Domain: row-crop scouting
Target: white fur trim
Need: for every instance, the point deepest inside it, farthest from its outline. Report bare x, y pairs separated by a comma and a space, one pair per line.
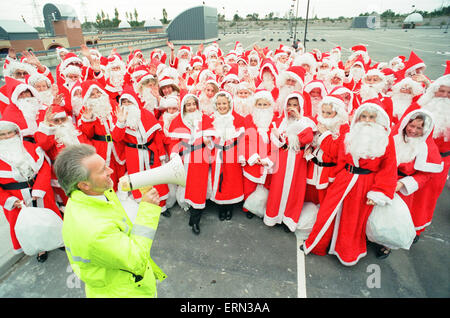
410, 187
9, 203
379, 198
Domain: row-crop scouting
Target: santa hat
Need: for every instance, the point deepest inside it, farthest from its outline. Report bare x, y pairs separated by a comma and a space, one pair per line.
71, 69
9, 126
263, 94
70, 58
295, 72
270, 65
416, 87
184, 49
75, 87
184, 100
58, 111
301, 102
144, 77
360, 50
139, 71
447, 68
231, 55
196, 61
232, 74
337, 72
129, 94
373, 105
114, 61
14, 65
244, 86
16, 87
317, 55
227, 95
338, 105
60, 49
360, 61
168, 81
169, 101
414, 62
337, 48
306, 58
375, 72
38, 77
340, 90
433, 88
316, 84
88, 86
279, 53
242, 58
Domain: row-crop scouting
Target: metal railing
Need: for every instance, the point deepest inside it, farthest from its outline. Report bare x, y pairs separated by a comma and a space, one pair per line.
147, 38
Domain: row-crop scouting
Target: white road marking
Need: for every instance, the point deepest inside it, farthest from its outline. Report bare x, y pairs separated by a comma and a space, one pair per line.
301, 276
400, 46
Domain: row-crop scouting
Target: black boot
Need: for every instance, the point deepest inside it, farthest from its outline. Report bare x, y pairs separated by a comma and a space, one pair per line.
196, 229
229, 214
194, 220
167, 213
222, 213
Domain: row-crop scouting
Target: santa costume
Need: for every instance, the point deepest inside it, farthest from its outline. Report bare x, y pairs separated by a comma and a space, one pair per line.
366, 169
325, 150
24, 175
288, 183
227, 157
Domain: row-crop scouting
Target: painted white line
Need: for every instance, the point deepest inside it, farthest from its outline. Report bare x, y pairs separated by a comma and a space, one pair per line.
400, 46
301, 276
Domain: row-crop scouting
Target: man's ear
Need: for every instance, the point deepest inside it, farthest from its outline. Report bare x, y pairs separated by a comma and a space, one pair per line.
84, 185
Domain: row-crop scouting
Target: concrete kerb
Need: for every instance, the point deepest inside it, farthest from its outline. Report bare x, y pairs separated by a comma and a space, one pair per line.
7, 256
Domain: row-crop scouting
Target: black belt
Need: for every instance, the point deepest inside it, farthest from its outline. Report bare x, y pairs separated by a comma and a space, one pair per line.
227, 147
356, 170
285, 147
323, 164
190, 148
107, 138
445, 154
145, 147
18, 185
401, 174
29, 139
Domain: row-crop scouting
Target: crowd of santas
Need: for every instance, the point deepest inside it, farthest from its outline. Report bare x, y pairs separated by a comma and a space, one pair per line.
272, 129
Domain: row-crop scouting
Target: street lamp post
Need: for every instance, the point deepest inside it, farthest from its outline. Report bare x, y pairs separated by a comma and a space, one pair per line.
306, 25
295, 29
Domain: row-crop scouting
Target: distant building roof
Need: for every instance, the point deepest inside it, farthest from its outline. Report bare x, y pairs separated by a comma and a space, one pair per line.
153, 23
16, 26
414, 17
124, 24
62, 11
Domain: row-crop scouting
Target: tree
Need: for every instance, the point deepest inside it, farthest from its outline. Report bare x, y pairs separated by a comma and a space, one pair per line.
236, 18
164, 19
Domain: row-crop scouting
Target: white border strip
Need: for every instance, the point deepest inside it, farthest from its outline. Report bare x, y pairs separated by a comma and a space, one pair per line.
301, 275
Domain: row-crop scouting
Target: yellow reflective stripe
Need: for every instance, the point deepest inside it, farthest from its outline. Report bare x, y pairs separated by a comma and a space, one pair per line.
144, 231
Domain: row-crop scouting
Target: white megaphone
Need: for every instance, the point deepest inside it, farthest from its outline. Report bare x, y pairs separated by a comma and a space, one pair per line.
171, 173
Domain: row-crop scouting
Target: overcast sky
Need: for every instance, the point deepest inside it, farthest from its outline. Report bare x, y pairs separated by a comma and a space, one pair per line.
148, 9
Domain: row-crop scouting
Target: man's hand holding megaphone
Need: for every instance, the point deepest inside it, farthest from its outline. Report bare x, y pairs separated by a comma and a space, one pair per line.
149, 193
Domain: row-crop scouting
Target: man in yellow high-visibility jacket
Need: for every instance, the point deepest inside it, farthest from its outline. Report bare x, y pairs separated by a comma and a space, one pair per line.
107, 252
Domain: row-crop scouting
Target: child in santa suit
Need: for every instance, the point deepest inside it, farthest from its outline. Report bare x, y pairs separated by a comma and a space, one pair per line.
191, 132
332, 125
228, 156
142, 138
257, 171
55, 133
290, 136
25, 178
97, 123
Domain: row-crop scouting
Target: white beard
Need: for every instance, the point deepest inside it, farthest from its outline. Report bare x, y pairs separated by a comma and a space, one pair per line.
366, 140
371, 91
241, 72
116, 78
66, 134
262, 117
292, 134
133, 116
206, 104
223, 124
253, 71
281, 66
150, 101
323, 75
13, 152
30, 108
308, 77
243, 106
406, 151
182, 65
400, 102
356, 74
284, 91
167, 119
267, 82
101, 107
46, 97
231, 88
192, 119
315, 109
440, 108
77, 104
69, 83
212, 63
332, 124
